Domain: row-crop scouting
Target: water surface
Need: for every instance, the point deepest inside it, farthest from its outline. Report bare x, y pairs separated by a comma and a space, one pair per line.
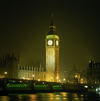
57, 96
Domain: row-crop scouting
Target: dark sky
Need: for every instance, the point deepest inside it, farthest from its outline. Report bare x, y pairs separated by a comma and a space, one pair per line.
24, 25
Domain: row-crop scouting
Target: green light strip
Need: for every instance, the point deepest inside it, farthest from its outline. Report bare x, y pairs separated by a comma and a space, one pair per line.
52, 36
57, 86
41, 86
17, 85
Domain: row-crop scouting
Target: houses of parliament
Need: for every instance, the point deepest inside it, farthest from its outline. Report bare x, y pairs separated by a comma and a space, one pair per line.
10, 64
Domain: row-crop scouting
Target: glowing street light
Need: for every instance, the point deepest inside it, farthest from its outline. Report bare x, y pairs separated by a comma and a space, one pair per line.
57, 78
64, 80
5, 73
38, 79
33, 77
51, 79
76, 76
23, 78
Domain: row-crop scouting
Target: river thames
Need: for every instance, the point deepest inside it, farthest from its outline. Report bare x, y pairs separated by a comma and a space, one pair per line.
57, 96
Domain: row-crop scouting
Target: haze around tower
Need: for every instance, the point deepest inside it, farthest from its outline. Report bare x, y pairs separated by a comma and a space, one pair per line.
24, 25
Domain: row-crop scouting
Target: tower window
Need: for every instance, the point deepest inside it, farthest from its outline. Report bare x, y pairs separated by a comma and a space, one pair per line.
20, 68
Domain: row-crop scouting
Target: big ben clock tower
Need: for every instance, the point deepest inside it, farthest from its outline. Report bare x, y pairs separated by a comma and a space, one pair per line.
52, 54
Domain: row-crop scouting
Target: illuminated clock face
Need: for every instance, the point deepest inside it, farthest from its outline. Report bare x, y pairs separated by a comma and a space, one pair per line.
50, 42
57, 42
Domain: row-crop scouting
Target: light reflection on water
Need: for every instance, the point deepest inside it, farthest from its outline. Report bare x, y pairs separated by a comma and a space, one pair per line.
65, 96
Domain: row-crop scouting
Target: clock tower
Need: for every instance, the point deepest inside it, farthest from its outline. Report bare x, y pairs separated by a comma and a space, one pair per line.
52, 54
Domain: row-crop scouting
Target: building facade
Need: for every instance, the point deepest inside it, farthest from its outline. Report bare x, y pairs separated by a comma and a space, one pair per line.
52, 54
28, 72
93, 73
11, 66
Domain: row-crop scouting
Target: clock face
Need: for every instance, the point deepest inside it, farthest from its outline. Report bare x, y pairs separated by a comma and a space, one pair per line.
57, 42
50, 42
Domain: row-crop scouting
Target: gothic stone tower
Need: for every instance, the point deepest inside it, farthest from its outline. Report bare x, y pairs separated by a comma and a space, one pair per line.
52, 54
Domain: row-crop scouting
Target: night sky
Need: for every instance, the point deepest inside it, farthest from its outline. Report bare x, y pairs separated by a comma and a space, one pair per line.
24, 25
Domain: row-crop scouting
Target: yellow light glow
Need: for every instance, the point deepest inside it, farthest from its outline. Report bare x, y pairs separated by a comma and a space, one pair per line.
76, 76
38, 79
51, 98
64, 95
57, 95
81, 95
64, 79
5, 72
1, 76
76, 98
28, 78
23, 77
51, 95
89, 61
57, 98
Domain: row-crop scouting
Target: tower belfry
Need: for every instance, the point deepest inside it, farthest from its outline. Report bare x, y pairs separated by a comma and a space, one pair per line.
52, 53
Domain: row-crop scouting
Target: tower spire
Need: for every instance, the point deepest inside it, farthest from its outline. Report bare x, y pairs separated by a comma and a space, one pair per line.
52, 28
52, 23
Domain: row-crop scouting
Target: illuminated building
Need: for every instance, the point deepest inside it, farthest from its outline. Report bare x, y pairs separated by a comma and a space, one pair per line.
11, 65
52, 53
26, 72
83, 76
77, 76
93, 73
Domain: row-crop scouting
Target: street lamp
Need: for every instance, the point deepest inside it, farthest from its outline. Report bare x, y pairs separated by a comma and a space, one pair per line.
5, 73
64, 80
33, 77
51, 79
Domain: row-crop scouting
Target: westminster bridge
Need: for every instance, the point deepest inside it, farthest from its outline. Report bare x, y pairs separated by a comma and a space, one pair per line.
33, 86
